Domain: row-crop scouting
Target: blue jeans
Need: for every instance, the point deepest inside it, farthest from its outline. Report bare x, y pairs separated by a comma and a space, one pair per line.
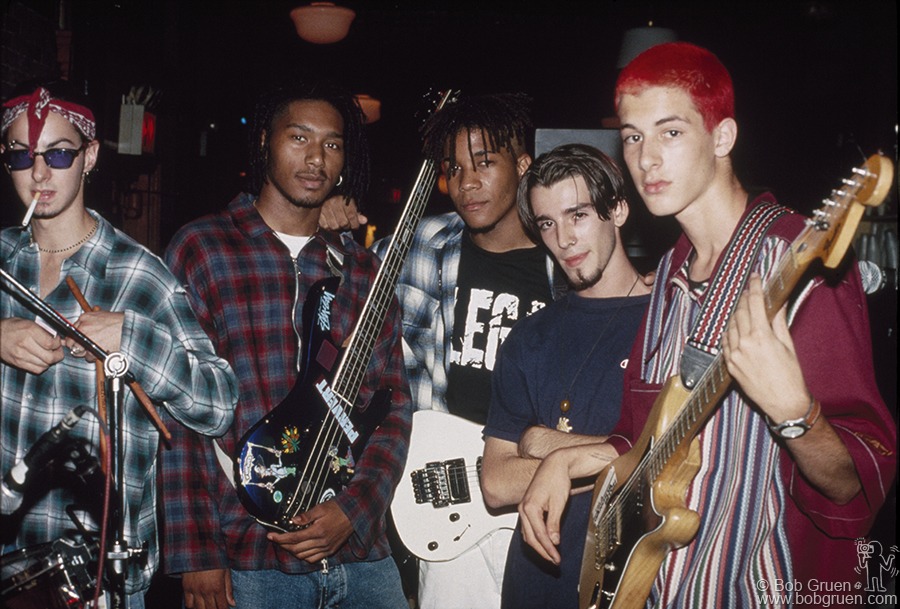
361, 585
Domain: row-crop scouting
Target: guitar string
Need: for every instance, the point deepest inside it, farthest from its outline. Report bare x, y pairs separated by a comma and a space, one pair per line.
356, 367
656, 457
314, 489
359, 365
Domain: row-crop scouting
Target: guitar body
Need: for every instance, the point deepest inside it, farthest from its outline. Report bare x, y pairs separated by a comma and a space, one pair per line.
618, 570
304, 450
438, 508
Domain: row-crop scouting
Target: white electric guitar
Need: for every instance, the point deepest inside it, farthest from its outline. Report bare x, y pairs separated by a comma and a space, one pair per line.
438, 508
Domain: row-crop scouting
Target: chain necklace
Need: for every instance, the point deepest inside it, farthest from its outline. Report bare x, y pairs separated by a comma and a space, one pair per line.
74, 245
565, 405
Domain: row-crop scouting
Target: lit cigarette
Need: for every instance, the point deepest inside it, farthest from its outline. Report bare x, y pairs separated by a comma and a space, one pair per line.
31, 207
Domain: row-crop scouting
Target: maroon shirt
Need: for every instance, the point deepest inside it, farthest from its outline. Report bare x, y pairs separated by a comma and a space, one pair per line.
246, 291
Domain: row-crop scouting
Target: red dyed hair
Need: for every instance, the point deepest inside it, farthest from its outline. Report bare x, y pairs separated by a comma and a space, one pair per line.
684, 66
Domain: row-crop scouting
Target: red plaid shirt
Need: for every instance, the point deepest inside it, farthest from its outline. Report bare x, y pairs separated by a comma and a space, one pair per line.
248, 294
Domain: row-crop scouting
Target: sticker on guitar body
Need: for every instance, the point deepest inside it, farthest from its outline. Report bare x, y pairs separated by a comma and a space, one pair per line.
334, 406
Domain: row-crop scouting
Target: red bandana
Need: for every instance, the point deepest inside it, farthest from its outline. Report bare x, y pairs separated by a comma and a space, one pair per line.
37, 105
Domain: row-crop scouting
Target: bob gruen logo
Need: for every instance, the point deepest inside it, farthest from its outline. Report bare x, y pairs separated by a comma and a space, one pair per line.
323, 314
874, 565
334, 406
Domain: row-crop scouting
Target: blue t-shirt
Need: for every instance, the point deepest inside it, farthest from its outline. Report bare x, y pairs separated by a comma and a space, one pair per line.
575, 349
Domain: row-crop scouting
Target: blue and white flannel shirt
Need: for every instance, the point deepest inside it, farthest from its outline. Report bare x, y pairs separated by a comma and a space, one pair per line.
168, 353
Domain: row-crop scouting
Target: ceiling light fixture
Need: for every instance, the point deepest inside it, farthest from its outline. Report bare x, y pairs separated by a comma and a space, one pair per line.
322, 22
371, 107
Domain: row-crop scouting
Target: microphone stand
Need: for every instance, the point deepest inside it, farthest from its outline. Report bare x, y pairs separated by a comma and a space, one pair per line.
117, 553
115, 366
65, 327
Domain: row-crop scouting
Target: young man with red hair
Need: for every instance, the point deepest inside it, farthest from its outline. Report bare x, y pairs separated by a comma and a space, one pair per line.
799, 455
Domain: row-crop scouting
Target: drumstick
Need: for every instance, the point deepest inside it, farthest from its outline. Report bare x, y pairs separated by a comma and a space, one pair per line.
139, 393
101, 375
31, 207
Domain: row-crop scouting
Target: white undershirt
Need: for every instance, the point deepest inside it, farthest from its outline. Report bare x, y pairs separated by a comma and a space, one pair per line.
293, 242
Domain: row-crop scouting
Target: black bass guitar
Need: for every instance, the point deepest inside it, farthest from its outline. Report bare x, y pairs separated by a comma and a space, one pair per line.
304, 451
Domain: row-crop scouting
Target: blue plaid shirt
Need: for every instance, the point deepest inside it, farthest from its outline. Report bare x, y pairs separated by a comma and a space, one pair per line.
168, 354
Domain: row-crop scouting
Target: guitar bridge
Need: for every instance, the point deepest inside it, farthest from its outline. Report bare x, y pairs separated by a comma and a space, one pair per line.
441, 483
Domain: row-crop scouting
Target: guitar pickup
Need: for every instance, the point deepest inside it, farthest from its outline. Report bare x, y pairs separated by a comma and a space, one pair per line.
441, 483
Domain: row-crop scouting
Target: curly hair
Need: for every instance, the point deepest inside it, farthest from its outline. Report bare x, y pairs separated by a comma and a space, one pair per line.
504, 120
602, 176
272, 103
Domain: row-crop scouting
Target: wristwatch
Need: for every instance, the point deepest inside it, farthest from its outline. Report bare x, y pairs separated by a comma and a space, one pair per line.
795, 428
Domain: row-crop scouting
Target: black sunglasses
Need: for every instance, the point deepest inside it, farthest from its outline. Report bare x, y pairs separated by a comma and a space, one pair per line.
17, 159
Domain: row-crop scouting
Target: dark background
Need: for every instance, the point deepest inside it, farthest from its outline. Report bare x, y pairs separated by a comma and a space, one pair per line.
815, 81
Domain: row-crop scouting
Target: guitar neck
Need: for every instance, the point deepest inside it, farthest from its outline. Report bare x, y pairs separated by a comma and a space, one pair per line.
826, 236
351, 371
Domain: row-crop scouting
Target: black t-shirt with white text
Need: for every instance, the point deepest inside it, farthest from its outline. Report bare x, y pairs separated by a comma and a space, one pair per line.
494, 291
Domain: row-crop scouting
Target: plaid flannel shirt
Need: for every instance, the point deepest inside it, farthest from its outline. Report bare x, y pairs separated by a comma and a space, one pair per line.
248, 293
167, 352
426, 290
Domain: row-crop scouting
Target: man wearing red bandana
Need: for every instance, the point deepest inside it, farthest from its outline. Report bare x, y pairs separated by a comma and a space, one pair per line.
139, 310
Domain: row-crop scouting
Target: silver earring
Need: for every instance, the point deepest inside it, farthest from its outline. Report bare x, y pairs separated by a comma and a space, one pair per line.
340, 180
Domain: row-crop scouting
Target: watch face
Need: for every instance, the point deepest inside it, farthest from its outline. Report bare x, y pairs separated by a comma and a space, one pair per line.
794, 431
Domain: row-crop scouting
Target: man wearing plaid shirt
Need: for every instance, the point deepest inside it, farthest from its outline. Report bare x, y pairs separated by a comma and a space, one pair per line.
469, 276
248, 270
48, 146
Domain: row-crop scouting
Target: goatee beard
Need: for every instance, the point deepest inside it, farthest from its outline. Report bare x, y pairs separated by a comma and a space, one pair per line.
583, 283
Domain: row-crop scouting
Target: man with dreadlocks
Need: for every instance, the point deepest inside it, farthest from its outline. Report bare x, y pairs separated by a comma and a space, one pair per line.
470, 275
247, 270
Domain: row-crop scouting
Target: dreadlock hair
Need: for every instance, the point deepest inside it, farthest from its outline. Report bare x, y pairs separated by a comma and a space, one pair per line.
603, 178
272, 103
504, 120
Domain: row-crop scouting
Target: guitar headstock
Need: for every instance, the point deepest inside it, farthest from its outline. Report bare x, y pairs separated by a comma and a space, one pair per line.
435, 101
840, 213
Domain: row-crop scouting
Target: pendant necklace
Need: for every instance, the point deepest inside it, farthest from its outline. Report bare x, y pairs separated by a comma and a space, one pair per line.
565, 405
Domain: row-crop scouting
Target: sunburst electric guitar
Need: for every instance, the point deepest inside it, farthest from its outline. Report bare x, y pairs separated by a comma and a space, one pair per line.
303, 451
638, 513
